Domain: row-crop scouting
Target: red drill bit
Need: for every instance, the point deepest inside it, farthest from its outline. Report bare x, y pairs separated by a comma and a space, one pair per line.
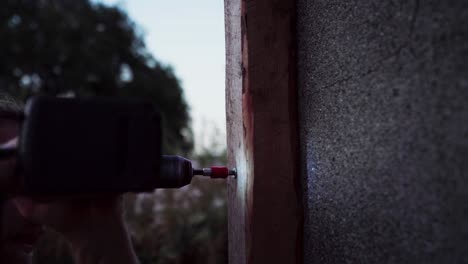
215, 172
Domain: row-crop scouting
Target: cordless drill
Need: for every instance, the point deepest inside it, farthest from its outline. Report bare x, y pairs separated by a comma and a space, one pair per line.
94, 146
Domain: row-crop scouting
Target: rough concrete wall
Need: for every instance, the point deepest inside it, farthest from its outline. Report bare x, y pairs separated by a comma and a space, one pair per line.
383, 89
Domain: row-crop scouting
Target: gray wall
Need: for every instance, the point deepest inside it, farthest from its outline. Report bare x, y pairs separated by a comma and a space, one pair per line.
383, 89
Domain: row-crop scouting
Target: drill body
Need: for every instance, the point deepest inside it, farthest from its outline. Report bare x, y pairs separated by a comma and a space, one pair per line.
95, 146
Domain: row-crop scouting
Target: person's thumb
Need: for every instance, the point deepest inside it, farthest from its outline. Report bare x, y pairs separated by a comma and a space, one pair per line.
25, 206
13, 143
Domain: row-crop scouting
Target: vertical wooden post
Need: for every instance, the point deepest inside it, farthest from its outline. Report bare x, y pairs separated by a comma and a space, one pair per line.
265, 213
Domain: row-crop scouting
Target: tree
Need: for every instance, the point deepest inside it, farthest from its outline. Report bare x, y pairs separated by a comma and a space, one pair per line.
76, 47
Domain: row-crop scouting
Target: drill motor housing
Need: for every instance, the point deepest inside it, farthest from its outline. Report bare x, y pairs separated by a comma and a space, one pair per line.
91, 146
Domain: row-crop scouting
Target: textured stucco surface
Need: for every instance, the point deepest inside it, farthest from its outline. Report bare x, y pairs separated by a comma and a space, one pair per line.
383, 97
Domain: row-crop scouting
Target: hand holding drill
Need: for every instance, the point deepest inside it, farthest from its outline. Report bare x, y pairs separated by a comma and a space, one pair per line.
69, 162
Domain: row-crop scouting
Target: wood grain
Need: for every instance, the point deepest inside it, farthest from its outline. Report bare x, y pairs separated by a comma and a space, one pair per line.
236, 158
265, 212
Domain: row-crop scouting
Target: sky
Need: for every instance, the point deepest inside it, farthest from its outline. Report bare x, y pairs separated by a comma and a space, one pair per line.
189, 36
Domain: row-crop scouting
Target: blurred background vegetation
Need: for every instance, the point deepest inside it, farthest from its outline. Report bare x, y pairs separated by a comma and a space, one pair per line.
77, 48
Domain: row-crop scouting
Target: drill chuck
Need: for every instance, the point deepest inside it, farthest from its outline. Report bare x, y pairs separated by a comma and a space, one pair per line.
177, 172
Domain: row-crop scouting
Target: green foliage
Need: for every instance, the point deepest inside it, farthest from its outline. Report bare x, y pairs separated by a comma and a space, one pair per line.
184, 226
187, 225
58, 47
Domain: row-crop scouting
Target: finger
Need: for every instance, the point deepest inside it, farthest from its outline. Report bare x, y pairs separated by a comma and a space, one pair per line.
36, 212
13, 143
25, 206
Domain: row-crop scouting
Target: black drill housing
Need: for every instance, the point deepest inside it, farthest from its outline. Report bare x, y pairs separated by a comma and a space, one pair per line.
89, 146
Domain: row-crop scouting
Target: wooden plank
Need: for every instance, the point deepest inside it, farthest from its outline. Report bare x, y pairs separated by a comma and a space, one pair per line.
265, 212
236, 189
